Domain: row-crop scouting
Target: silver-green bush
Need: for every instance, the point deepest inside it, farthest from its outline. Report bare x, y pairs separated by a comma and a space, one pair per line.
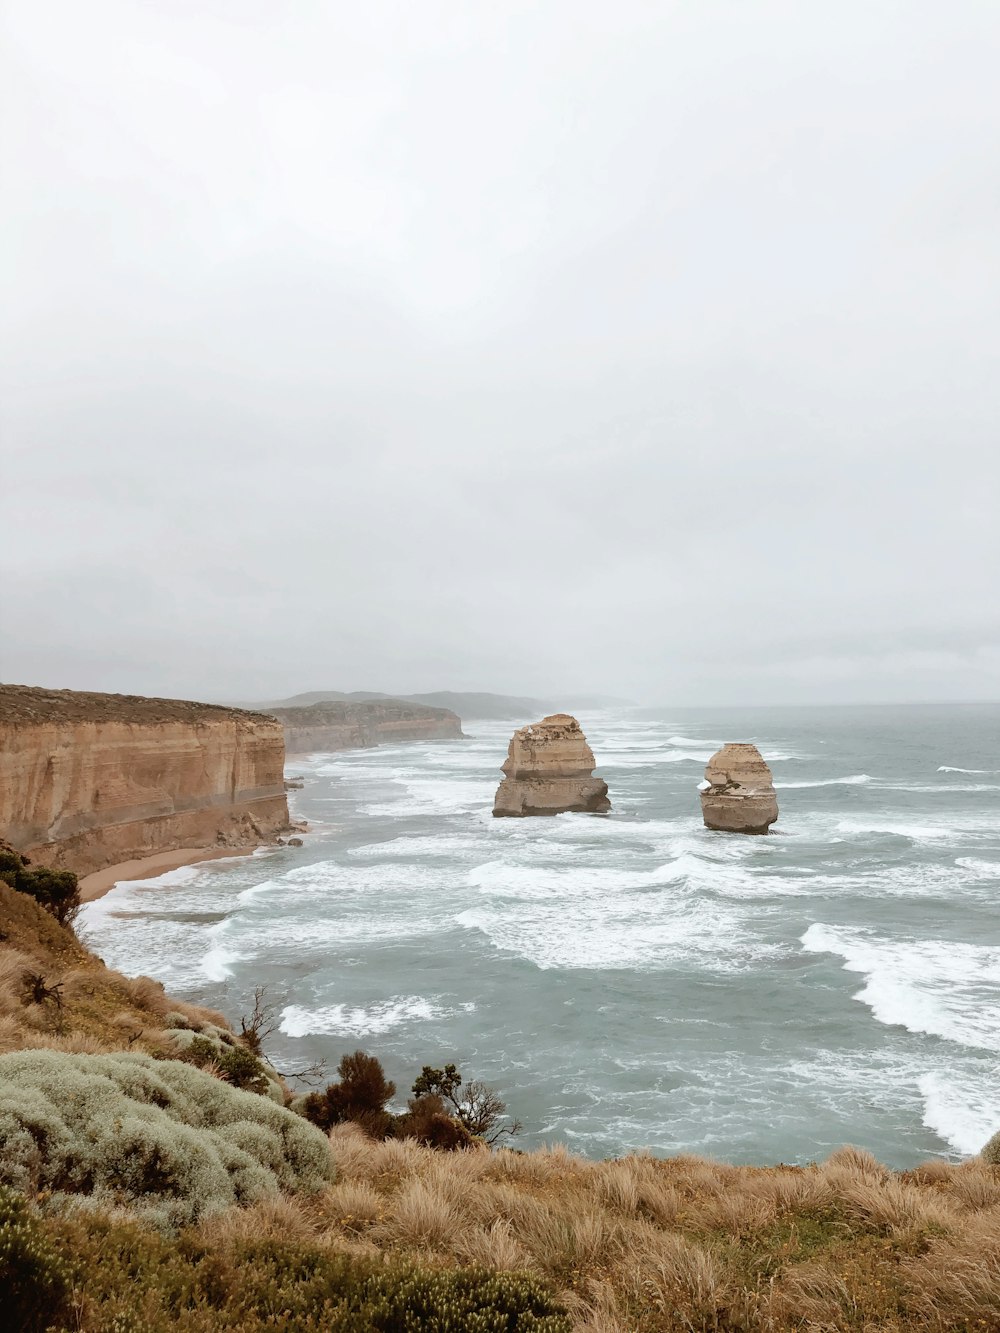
157, 1136
991, 1150
222, 1045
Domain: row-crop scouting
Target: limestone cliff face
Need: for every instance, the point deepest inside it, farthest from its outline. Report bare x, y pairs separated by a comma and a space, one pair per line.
88, 780
337, 725
740, 797
549, 770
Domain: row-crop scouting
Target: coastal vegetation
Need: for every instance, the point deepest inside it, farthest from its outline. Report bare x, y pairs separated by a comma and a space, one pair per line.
157, 1174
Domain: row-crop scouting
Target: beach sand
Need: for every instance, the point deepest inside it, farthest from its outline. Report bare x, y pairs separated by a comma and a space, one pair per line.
96, 885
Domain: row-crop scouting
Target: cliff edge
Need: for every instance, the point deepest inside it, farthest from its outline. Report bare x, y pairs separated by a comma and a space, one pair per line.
89, 780
346, 725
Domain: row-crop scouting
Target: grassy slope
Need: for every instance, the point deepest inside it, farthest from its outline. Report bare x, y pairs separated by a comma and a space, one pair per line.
634, 1244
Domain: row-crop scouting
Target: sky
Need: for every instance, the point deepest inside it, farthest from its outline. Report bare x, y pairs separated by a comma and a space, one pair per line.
649, 349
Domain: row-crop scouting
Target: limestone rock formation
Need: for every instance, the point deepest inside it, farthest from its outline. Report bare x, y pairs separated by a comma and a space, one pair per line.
549, 770
89, 780
358, 725
740, 797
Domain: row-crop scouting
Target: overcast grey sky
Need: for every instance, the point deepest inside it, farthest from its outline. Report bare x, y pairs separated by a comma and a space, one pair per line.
649, 348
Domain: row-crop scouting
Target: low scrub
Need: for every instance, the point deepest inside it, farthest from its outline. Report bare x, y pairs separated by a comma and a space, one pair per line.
160, 1137
111, 1274
34, 1280
220, 1052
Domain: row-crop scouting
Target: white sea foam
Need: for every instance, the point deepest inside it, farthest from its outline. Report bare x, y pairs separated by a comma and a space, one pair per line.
360, 1021
961, 1110
218, 963
979, 868
855, 780
596, 929
900, 829
943, 988
979, 772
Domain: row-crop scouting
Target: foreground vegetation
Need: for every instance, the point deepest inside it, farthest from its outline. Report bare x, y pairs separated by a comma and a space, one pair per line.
156, 1176
631, 1246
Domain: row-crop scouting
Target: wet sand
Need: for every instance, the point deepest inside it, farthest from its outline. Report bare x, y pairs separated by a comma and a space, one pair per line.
96, 885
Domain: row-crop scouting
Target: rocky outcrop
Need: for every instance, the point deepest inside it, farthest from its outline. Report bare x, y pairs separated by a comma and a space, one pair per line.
740, 796
89, 780
549, 770
343, 725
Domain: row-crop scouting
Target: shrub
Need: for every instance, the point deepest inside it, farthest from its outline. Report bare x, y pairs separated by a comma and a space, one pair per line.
157, 1136
479, 1109
429, 1122
360, 1096
56, 890
33, 1279
227, 1058
133, 1280
991, 1151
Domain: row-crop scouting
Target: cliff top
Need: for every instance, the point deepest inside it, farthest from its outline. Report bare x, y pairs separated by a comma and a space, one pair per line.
342, 710
29, 703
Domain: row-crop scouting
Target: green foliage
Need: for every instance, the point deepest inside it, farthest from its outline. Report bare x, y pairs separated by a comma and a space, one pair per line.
429, 1121
56, 890
135, 1279
479, 1110
33, 1278
158, 1136
440, 1082
235, 1064
361, 1095
229, 1058
991, 1151
437, 1115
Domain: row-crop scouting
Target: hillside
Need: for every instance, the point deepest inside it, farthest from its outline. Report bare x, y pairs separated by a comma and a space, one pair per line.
466, 705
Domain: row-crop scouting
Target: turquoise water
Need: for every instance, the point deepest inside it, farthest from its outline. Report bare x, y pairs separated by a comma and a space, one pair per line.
634, 981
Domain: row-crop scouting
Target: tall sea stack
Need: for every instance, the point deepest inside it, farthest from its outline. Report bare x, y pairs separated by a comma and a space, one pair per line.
740, 797
549, 770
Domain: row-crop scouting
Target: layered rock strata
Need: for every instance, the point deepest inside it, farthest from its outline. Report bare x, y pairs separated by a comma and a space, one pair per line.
343, 725
549, 770
91, 780
740, 796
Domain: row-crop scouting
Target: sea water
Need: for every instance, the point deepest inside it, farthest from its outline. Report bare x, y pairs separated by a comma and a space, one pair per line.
633, 981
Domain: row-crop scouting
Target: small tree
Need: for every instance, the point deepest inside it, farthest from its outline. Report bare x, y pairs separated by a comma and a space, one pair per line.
362, 1095
480, 1110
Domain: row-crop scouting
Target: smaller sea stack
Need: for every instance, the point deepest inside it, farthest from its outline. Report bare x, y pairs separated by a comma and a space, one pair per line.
740, 797
549, 771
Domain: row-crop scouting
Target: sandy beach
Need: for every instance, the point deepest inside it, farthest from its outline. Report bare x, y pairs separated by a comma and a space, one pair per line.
96, 885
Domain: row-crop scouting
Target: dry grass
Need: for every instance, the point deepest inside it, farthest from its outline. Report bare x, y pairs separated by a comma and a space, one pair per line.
100, 1010
14, 968
642, 1245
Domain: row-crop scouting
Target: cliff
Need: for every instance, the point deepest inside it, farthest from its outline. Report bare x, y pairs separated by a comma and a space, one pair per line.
89, 780
548, 771
343, 725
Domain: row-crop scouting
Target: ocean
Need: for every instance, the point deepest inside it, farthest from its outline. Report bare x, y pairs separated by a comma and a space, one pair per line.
633, 981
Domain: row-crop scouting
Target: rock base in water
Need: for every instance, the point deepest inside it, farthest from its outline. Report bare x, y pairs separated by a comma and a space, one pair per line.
549, 771
740, 797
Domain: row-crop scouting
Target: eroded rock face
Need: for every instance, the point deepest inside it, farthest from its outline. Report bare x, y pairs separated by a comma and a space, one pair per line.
354, 725
740, 797
549, 770
88, 780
